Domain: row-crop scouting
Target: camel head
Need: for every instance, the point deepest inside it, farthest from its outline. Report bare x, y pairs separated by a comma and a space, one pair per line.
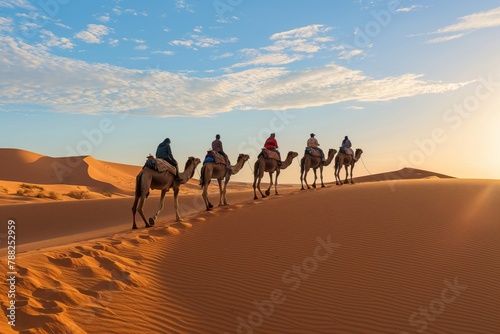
292, 154
358, 153
332, 151
245, 157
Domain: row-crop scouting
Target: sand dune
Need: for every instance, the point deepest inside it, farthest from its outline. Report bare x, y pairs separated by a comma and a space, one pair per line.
410, 256
60, 176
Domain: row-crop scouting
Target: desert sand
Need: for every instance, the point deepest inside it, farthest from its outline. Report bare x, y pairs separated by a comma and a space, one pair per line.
414, 252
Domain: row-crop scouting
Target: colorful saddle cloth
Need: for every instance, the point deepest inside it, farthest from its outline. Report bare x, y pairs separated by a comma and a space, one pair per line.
213, 156
268, 154
160, 165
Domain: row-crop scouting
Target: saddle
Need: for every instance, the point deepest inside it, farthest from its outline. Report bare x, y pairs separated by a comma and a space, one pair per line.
346, 150
213, 156
312, 151
159, 165
268, 154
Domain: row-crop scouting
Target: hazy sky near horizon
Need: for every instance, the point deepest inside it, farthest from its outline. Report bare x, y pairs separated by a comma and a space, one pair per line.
413, 83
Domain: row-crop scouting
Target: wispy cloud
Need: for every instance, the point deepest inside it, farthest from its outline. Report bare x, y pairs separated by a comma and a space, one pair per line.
409, 9
197, 40
94, 33
183, 5
31, 75
443, 39
165, 53
6, 24
25, 4
288, 46
50, 40
469, 23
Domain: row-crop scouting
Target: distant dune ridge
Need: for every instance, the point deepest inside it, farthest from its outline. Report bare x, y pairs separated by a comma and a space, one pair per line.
409, 256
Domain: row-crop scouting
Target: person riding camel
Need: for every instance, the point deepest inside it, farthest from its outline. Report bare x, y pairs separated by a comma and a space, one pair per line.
217, 147
313, 143
346, 147
165, 152
272, 145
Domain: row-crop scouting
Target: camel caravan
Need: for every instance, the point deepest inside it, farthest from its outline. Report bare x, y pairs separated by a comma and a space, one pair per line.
162, 171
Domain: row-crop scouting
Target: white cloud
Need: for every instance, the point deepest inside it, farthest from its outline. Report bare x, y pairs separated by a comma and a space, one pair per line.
272, 59
182, 5
409, 9
202, 41
166, 53
303, 32
103, 18
443, 39
51, 40
113, 42
475, 21
93, 34
348, 54
469, 23
25, 4
30, 75
6, 24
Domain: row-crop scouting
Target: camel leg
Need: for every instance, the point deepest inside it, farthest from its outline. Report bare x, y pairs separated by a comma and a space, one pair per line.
352, 167
134, 210
176, 204
219, 182
224, 192
255, 187
140, 207
258, 185
306, 170
346, 174
205, 196
268, 190
321, 176
276, 183
315, 178
160, 207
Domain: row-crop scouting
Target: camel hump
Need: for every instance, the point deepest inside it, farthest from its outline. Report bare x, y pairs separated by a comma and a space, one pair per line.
268, 154
313, 151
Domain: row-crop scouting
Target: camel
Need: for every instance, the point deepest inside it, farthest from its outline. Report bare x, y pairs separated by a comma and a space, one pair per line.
346, 160
211, 170
263, 165
309, 161
149, 178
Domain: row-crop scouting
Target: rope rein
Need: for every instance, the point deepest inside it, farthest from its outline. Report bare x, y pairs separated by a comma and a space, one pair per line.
249, 165
363, 162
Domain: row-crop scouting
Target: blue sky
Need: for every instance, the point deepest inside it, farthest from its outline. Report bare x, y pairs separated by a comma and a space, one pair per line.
413, 83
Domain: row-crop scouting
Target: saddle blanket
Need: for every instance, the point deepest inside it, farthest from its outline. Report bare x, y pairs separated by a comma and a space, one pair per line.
213, 156
346, 150
313, 152
160, 165
268, 154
